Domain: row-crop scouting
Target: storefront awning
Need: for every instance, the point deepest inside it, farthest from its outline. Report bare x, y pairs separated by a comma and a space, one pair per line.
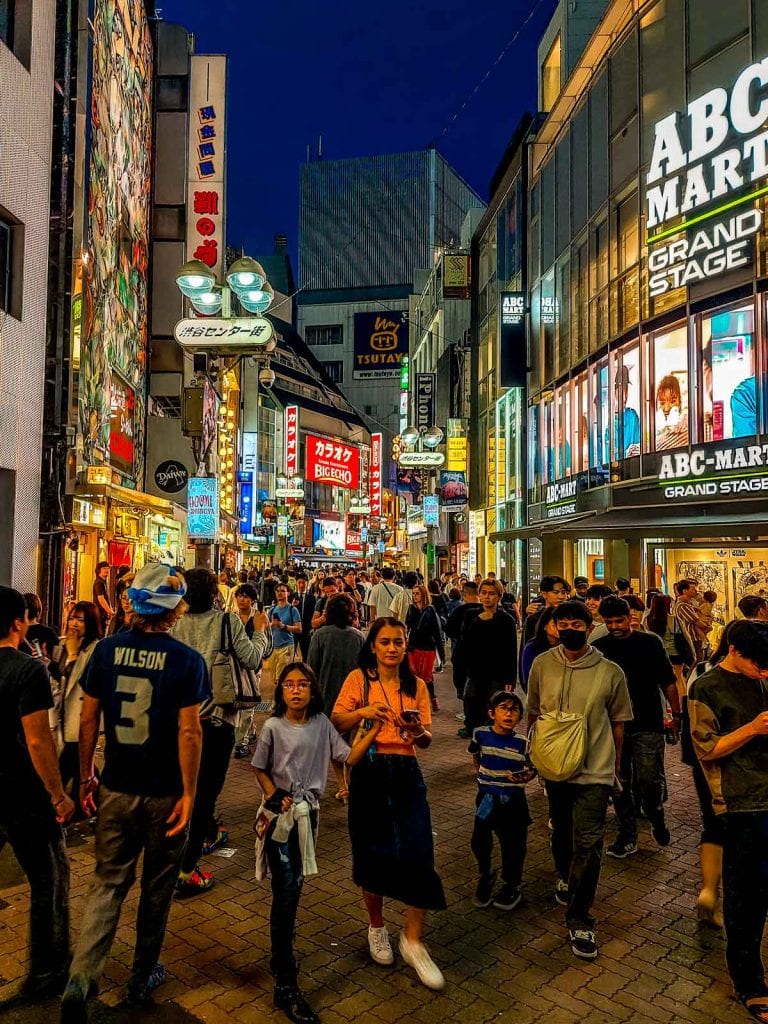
125, 496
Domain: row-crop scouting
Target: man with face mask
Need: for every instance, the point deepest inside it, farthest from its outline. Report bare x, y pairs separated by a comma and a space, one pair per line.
650, 677
576, 677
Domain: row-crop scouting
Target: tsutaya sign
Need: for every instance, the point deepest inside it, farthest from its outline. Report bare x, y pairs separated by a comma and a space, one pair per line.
719, 147
722, 471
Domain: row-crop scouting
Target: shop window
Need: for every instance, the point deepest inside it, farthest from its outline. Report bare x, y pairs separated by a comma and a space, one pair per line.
548, 313
563, 436
534, 448
547, 442
599, 434
712, 24
625, 294
670, 381
562, 314
625, 441
580, 302
729, 390
550, 75
598, 315
581, 432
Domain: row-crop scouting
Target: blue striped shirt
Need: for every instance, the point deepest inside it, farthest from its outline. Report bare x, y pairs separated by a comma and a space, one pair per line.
501, 758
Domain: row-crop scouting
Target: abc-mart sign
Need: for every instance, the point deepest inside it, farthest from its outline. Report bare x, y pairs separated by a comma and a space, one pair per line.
713, 157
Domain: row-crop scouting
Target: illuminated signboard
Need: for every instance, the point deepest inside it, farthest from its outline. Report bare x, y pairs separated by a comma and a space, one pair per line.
122, 405
332, 462
203, 507
513, 354
456, 276
374, 479
431, 508
426, 385
380, 345
206, 161
291, 440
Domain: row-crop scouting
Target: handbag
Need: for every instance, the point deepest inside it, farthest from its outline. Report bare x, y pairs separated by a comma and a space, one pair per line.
231, 684
557, 744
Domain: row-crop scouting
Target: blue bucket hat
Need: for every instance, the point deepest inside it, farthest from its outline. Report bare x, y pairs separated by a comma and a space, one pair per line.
157, 588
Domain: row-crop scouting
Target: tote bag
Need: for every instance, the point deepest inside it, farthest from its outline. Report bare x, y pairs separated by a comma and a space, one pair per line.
231, 684
557, 745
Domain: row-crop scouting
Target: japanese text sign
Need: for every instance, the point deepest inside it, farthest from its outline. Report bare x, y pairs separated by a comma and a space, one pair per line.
206, 161
291, 440
332, 462
203, 507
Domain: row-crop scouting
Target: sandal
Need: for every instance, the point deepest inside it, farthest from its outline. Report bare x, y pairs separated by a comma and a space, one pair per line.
756, 1007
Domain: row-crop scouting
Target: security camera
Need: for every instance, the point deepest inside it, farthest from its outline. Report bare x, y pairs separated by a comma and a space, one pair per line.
267, 377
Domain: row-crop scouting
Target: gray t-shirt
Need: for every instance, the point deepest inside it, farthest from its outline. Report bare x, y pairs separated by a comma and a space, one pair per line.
296, 757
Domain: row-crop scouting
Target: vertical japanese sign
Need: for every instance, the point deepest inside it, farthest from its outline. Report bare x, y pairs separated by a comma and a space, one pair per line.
207, 164
291, 440
374, 484
425, 399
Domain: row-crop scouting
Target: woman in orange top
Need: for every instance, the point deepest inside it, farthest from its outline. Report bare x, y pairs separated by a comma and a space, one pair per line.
389, 821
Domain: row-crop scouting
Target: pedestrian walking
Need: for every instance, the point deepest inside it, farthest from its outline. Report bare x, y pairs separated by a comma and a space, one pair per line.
554, 590
291, 760
245, 602
285, 622
304, 603
33, 804
84, 630
327, 589
546, 637
425, 640
148, 687
490, 640
470, 605
389, 820
382, 594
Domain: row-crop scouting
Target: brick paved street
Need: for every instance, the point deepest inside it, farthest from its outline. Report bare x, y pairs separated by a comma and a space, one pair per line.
655, 965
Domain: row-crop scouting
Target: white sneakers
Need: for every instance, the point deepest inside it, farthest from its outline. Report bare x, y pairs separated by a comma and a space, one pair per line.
415, 954
378, 943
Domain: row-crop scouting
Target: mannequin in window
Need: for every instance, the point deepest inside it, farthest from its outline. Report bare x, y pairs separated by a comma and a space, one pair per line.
671, 415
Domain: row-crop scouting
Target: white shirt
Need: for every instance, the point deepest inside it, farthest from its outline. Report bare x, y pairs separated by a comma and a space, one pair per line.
381, 597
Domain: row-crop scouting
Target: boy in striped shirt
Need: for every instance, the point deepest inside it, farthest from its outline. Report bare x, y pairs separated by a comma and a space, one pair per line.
503, 768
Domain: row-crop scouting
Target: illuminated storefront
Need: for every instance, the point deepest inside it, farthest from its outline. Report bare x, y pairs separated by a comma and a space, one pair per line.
646, 417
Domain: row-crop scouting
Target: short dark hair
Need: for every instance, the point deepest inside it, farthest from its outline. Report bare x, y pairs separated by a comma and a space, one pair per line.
548, 583
316, 703
621, 583
505, 697
34, 605
572, 610
614, 607
710, 595
454, 594
750, 639
387, 573
340, 611
469, 585
101, 565
598, 591
302, 576
247, 590
328, 580
751, 605
12, 607
410, 579
202, 590
683, 585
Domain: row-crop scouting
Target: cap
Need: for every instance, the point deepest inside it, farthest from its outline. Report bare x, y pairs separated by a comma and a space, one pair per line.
156, 588
580, 581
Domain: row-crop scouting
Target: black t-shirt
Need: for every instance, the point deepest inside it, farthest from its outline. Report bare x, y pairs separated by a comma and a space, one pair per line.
100, 590
43, 635
24, 689
142, 681
644, 662
490, 647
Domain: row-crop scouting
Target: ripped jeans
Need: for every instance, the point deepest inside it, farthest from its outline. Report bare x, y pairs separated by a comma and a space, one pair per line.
285, 870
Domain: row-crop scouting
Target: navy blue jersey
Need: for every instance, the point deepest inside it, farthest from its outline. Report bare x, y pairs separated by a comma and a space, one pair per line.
142, 680
504, 763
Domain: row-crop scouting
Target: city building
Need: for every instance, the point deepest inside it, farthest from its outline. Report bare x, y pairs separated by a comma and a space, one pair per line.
648, 271
27, 33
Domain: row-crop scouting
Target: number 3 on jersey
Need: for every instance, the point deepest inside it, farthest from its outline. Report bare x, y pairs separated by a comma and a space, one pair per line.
136, 694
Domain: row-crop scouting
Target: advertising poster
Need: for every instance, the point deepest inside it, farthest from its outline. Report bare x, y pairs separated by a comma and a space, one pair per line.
354, 541
332, 462
329, 536
513, 349
409, 484
431, 510
203, 507
456, 276
210, 418
122, 410
426, 385
380, 343
453, 488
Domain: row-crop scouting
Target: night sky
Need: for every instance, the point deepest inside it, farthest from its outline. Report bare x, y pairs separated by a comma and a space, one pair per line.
370, 78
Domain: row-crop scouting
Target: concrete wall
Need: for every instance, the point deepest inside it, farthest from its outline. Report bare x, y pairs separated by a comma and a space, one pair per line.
26, 105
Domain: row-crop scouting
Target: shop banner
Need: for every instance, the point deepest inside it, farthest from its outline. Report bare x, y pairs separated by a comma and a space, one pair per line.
453, 488
380, 344
203, 507
122, 405
426, 386
431, 510
332, 462
245, 482
292, 440
374, 480
206, 161
513, 347
456, 276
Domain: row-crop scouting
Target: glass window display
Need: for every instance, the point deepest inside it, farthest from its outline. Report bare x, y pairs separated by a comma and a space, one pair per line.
626, 403
670, 364
728, 374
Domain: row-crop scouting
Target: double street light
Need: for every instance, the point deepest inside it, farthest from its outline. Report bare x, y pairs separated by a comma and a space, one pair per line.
246, 278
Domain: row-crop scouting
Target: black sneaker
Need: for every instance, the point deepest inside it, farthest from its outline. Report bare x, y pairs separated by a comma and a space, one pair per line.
138, 993
661, 833
620, 850
242, 750
561, 892
583, 943
289, 999
484, 891
508, 897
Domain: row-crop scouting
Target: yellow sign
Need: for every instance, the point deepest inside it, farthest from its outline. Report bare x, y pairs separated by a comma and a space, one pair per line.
99, 475
456, 454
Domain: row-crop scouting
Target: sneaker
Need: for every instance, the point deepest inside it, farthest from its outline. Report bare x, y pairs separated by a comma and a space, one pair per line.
74, 1009
242, 750
380, 947
583, 943
661, 833
138, 993
484, 891
508, 897
620, 850
561, 892
462, 733
460, 717
210, 845
193, 884
416, 956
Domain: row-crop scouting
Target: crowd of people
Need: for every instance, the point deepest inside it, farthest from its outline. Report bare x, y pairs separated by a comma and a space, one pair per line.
584, 689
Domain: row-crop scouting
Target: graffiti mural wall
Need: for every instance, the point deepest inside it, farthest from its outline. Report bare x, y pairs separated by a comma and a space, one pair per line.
114, 344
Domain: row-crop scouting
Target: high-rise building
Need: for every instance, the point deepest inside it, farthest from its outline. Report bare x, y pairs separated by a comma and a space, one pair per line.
366, 225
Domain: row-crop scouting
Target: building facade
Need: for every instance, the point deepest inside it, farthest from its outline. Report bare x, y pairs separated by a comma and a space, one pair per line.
648, 265
27, 35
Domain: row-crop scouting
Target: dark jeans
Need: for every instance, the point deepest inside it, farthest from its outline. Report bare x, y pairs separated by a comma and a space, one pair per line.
508, 821
218, 743
37, 840
642, 772
578, 829
126, 825
745, 899
285, 869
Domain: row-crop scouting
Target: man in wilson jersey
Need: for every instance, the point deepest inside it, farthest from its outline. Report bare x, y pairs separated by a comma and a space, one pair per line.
148, 686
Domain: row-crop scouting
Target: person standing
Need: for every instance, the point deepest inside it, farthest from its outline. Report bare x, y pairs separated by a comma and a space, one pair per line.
576, 677
453, 628
402, 602
149, 688
82, 636
245, 600
490, 640
554, 590
285, 622
40, 634
687, 626
33, 804
327, 590
650, 680
592, 599
728, 709
383, 594
101, 594
304, 603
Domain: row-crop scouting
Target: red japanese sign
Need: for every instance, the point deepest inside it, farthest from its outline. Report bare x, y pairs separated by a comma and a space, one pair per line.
332, 462
374, 478
205, 188
291, 440
122, 407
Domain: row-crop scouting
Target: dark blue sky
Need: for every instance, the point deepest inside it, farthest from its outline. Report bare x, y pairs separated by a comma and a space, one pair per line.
370, 78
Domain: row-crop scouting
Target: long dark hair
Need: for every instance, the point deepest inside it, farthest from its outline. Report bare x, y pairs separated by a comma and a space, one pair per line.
93, 627
316, 704
540, 639
658, 614
367, 657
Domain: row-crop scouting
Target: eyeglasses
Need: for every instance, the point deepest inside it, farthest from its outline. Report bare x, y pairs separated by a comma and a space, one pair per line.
295, 686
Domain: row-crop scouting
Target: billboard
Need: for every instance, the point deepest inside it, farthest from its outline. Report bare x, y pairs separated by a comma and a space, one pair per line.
115, 296
456, 276
291, 440
453, 488
206, 161
426, 385
513, 350
203, 507
332, 462
380, 343
122, 414
329, 536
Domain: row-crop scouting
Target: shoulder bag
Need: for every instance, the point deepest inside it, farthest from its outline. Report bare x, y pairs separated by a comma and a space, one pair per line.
557, 744
231, 684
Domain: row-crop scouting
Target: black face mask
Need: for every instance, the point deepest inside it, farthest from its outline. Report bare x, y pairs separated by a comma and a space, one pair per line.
572, 639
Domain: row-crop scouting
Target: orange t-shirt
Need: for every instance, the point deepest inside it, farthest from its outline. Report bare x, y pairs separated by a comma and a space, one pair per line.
388, 740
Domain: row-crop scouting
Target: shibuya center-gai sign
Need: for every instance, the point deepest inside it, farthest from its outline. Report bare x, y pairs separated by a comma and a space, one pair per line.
707, 166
